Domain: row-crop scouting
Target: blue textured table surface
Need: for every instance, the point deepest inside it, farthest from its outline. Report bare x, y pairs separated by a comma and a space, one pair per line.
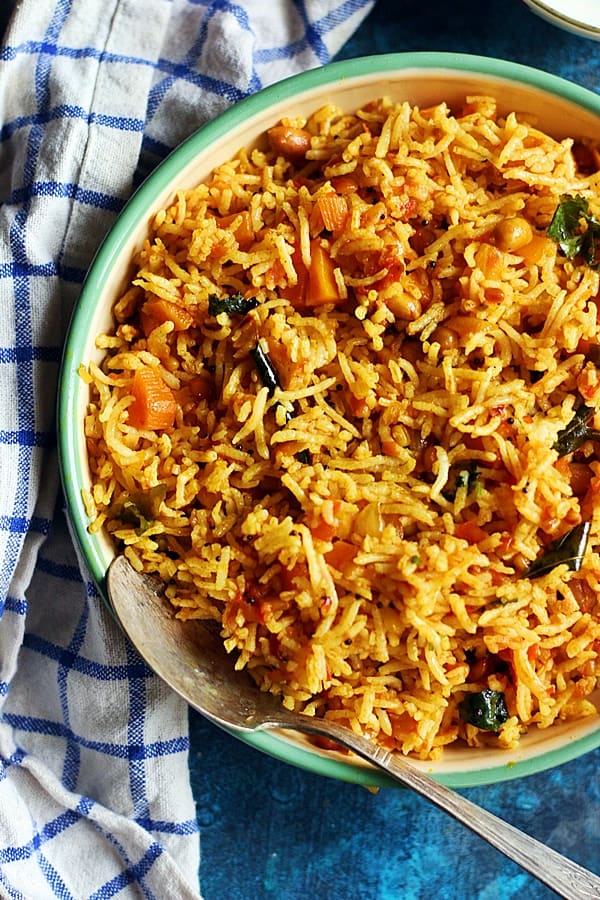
274, 832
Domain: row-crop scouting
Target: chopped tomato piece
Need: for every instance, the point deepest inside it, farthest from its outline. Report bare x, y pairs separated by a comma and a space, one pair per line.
344, 184
402, 724
506, 543
470, 532
407, 206
490, 261
254, 607
588, 382
391, 448
290, 372
289, 577
341, 554
200, 387
358, 405
275, 276
154, 405
534, 252
324, 531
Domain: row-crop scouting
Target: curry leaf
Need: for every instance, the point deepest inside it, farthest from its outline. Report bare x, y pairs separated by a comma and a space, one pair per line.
139, 508
233, 305
576, 230
576, 432
569, 550
265, 368
485, 709
269, 377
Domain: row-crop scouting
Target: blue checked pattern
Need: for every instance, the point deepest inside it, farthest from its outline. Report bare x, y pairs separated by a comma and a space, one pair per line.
95, 800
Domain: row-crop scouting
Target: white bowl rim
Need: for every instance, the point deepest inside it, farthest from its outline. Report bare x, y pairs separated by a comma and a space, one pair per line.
72, 465
577, 16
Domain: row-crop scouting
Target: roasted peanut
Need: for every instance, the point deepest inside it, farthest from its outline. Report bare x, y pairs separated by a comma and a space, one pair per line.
293, 143
403, 305
445, 337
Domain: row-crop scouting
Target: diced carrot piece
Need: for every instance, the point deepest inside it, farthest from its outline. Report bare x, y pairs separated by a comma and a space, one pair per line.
322, 286
317, 286
147, 322
159, 311
243, 231
327, 528
296, 293
334, 211
154, 405
324, 531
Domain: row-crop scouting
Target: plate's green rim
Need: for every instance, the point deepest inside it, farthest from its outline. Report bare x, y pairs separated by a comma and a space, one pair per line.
72, 466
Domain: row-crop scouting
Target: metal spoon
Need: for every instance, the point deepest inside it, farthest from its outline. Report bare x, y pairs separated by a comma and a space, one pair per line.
192, 661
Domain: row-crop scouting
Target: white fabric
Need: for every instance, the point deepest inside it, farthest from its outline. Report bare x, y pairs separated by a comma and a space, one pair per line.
95, 799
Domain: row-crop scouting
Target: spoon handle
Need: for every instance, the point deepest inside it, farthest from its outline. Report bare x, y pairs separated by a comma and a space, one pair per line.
192, 660
562, 875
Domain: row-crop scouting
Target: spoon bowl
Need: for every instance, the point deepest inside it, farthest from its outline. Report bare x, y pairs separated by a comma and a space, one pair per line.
189, 656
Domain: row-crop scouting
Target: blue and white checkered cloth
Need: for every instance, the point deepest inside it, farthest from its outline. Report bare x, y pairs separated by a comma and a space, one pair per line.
95, 799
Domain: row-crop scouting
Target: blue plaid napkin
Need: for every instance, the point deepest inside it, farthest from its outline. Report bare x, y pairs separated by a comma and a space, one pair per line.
95, 800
